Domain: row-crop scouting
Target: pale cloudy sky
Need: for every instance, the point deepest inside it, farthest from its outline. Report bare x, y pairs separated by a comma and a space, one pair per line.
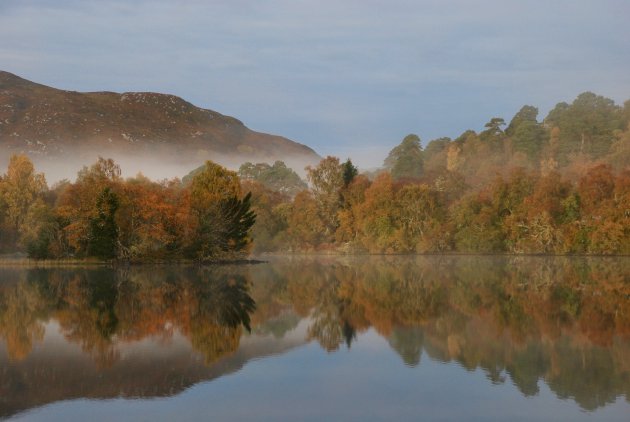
349, 78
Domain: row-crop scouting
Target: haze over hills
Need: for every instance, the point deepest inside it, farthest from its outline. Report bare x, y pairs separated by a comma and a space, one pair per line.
166, 133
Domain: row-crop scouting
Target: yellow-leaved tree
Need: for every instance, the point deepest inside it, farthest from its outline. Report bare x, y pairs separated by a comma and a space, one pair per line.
20, 188
221, 217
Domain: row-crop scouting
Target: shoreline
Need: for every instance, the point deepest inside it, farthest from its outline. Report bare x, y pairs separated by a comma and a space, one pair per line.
60, 263
259, 259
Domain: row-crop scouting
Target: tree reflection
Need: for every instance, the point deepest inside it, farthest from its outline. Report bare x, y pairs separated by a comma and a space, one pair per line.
408, 342
103, 307
21, 311
562, 321
86, 313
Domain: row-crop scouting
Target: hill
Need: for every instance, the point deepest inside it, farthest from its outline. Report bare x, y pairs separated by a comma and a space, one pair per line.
48, 123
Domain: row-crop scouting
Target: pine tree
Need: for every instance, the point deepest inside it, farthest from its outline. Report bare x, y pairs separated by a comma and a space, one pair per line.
103, 238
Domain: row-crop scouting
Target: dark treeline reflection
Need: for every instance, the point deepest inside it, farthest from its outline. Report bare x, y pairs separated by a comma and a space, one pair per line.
525, 320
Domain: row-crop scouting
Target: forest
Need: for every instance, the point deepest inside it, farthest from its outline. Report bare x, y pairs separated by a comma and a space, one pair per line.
102, 216
556, 186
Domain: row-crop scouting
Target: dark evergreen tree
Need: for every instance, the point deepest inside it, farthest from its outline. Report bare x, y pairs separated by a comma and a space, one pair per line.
586, 126
103, 238
239, 219
349, 172
493, 133
527, 113
225, 228
528, 136
405, 160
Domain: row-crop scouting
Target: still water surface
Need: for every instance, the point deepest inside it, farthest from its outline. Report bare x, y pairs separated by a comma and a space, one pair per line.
404, 338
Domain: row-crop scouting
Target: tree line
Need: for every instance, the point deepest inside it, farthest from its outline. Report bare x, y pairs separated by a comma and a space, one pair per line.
102, 215
558, 186
524, 212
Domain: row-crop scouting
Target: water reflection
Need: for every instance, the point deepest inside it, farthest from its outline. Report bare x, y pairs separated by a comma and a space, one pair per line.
100, 308
561, 321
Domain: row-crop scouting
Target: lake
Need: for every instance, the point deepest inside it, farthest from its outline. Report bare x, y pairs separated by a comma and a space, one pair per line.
319, 338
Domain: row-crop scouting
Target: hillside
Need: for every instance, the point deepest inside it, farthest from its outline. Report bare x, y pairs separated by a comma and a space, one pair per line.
47, 123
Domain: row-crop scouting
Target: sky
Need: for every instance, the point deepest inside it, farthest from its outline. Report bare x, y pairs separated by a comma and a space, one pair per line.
347, 78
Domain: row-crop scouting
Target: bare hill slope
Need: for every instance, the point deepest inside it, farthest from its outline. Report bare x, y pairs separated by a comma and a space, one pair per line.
52, 124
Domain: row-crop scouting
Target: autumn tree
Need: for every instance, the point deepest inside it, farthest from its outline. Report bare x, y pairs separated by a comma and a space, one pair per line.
375, 217
213, 184
154, 218
476, 224
223, 218
605, 211
40, 235
306, 226
349, 214
272, 210
535, 228
327, 180
596, 188
418, 216
451, 184
619, 154
77, 203
20, 188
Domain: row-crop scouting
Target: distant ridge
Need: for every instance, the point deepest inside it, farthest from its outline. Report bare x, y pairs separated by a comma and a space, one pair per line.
46, 122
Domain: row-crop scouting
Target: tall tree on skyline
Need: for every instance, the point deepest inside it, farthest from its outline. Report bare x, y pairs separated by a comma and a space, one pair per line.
405, 160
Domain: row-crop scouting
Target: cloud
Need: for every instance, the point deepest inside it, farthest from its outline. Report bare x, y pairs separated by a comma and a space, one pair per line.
329, 73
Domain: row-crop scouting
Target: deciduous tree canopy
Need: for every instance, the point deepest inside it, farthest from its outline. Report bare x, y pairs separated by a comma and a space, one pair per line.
560, 186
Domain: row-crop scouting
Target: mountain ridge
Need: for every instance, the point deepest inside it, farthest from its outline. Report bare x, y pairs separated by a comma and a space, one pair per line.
46, 122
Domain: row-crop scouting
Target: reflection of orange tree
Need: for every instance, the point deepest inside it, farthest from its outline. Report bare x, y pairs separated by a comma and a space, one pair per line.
87, 315
329, 326
22, 309
562, 320
320, 295
101, 308
273, 306
381, 296
222, 306
208, 306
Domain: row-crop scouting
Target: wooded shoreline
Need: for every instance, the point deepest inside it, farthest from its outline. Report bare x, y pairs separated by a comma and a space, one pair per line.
92, 262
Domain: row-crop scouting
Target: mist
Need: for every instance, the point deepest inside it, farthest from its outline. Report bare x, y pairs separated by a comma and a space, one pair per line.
155, 166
